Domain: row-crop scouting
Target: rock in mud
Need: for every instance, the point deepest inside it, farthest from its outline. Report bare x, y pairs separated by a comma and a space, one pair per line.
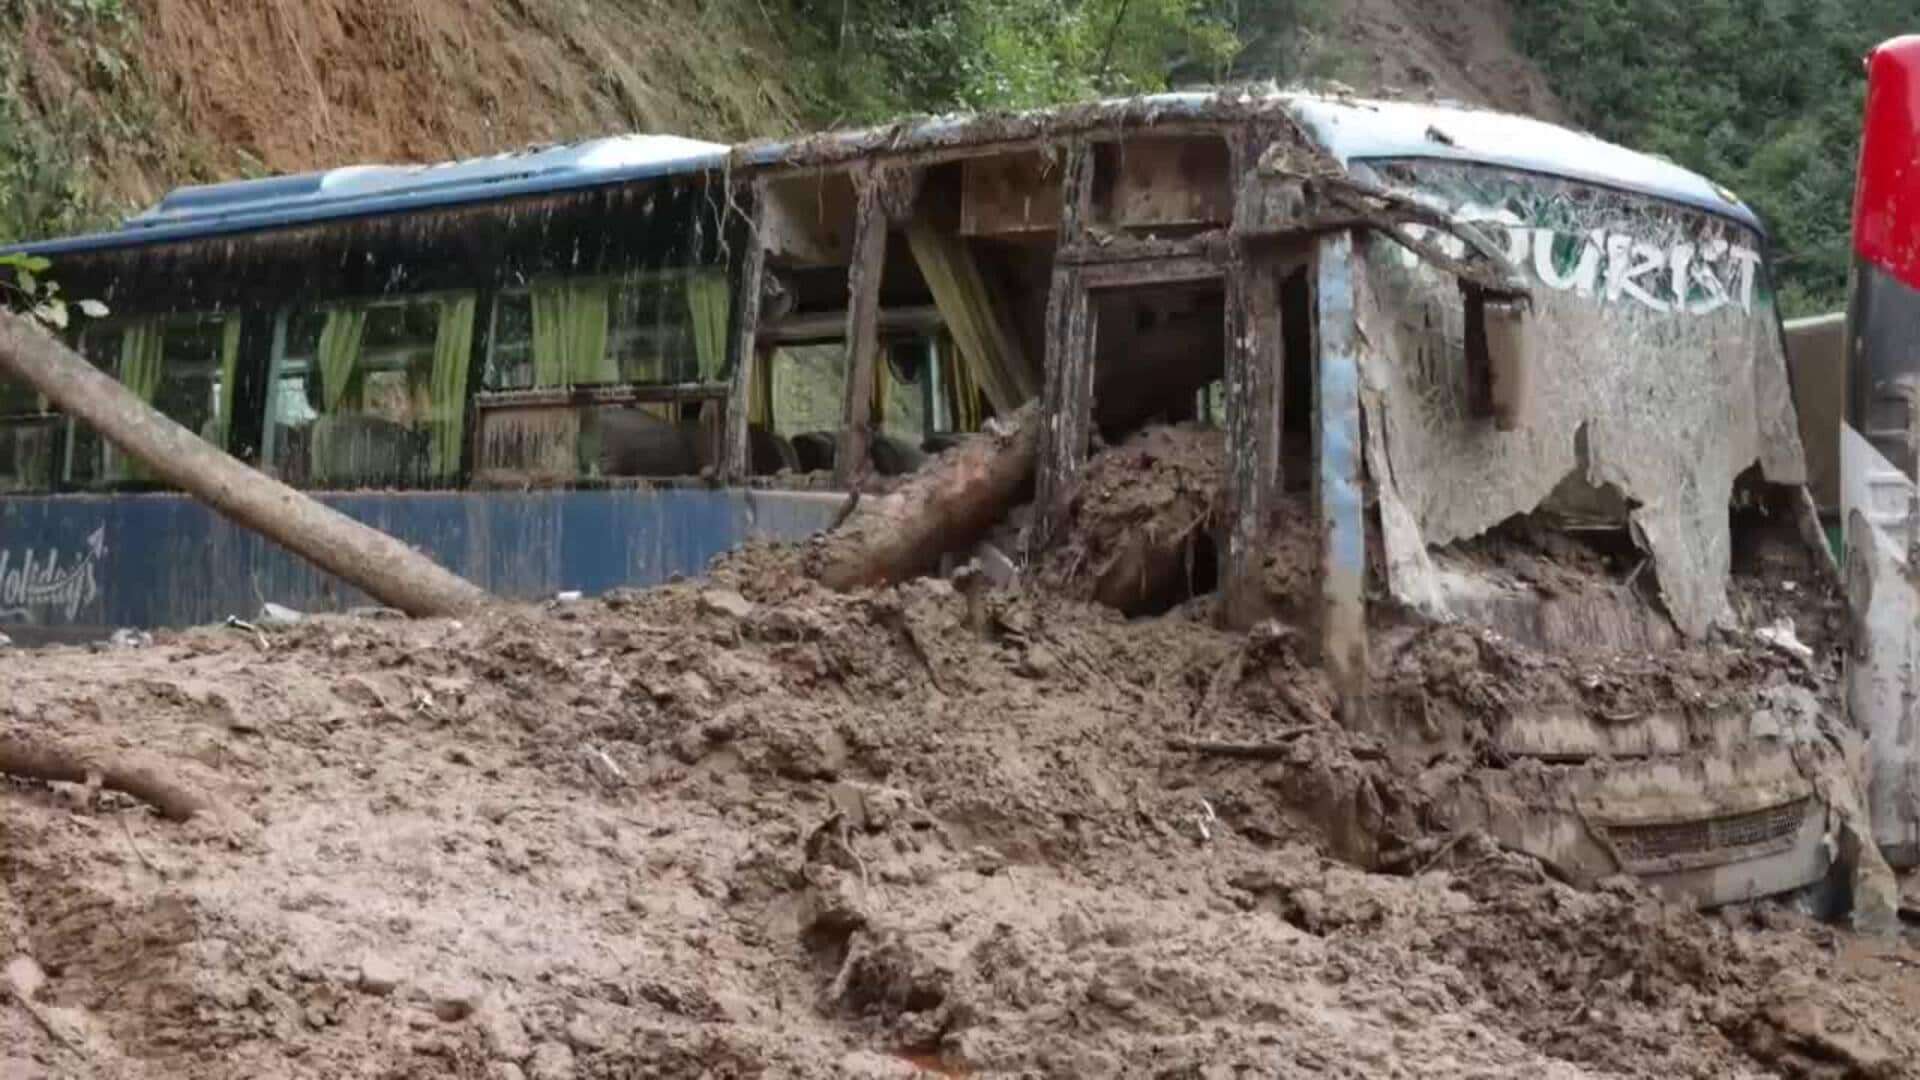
379, 976
455, 1000
551, 1061
725, 603
503, 1035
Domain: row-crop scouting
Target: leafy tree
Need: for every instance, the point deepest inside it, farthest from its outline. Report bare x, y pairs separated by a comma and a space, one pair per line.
1764, 96
874, 59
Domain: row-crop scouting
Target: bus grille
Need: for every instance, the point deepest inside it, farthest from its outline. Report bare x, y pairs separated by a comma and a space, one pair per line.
1732, 836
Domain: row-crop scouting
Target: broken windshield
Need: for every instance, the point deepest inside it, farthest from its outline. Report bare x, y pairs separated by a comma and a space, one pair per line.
1657, 368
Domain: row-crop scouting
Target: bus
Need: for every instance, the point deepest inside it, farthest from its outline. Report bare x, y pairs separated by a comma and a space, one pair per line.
603, 364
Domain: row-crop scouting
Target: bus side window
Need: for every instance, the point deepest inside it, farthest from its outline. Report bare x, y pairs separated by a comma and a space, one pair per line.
372, 394
28, 439
633, 333
181, 365
905, 378
806, 386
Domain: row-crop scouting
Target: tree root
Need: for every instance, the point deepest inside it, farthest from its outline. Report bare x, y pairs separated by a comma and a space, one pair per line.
40, 759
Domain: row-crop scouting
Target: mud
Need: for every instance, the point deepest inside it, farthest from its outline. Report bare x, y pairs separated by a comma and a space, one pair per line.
1141, 521
750, 828
1144, 528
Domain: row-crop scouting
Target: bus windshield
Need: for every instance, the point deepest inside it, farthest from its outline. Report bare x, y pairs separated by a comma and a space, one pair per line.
1656, 356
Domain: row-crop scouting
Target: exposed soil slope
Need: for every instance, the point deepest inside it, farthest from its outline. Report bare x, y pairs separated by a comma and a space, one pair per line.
208, 90
1451, 49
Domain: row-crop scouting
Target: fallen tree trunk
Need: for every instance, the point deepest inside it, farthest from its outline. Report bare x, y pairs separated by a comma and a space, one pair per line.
38, 759
386, 569
948, 506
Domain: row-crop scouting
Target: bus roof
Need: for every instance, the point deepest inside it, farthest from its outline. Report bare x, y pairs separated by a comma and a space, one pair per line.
196, 212
1351, 129
1359, 130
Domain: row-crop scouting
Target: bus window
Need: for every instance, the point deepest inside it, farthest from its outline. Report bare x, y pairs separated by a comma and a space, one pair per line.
905, 395
670, 328
371, 394
17, 398
808, 381
510, 341
182, 365
958, 405
27, 439
189, 385
644, 329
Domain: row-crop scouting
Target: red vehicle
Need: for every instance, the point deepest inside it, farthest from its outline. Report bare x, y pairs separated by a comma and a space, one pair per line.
1879, 444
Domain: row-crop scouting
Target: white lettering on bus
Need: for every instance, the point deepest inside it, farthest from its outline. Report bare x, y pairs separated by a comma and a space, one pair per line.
1682, 277
30, 580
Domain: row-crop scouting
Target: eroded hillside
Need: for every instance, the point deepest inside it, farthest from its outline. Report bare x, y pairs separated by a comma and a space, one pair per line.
114, 104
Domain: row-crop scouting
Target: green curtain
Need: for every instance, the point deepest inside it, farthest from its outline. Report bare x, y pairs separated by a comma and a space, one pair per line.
229, 370
570, 334
709, 300
339, 354
549, 304
587, 308
961, 390
140, 356
452, 354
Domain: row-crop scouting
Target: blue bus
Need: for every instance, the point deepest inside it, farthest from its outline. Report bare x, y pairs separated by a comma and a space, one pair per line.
603, 364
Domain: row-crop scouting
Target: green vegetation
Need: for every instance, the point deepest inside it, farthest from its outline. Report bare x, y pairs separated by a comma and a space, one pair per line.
45, 188
1763, 97
868, 60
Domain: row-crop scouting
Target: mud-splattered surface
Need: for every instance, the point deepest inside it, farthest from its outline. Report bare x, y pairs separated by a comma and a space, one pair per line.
751, 829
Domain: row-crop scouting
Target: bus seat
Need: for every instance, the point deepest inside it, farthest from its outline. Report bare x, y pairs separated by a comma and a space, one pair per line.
771, 454
634, 442
814, 450
895, 457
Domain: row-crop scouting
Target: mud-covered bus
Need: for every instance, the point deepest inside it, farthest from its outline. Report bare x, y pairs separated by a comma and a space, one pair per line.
602, 364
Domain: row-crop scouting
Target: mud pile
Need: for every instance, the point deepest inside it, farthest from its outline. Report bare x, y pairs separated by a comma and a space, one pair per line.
1142, 525
750, 828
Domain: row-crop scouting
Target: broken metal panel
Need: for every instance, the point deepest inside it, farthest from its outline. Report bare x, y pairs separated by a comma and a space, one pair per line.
1411, 578
1655, 349
1338, 487
1600, 618
1568, 733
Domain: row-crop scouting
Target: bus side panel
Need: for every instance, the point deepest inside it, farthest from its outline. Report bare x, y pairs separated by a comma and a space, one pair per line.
77, 566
